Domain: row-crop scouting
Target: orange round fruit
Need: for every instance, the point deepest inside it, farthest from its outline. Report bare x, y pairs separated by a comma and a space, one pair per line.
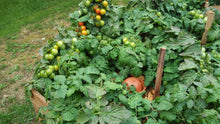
102, 11
83, 27
98, 17
84, 32
97, 11
80, 23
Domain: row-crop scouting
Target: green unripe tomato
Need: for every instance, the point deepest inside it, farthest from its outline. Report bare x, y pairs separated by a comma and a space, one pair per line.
77, 50
85, 11
124, 92
80, 12
103, 42
132, 44
43, 73
102, 23
165, 82
49, 71
50, 56
99, 37
201, 16
56, 47
158, 13
56, 67
58, 58
88, 31
125, 39
52, 75
60, 43
203, 55
38, 75
63, 47
46, 56
192, 12
203, 49
127, 42
51, 67
213, 51
205, 70
205, 19
54, 51
87, 3
74, 40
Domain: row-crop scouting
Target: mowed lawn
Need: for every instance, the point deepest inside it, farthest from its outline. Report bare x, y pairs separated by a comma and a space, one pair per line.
14, 14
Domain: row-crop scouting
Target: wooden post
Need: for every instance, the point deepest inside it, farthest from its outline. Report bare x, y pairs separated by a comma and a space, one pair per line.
159, 72
206, 4
210, 15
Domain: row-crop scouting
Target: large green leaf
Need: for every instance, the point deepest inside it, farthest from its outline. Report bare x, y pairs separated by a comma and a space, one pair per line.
70, 115
164, 105
95, 91
114, 114
187, 64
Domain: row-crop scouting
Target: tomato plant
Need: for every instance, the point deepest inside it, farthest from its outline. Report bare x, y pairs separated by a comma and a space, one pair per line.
87, 82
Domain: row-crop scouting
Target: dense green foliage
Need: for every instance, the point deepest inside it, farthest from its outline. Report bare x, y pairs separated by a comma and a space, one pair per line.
87, 85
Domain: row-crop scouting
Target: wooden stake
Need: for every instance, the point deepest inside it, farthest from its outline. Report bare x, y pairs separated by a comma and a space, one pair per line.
159, 72
210, 14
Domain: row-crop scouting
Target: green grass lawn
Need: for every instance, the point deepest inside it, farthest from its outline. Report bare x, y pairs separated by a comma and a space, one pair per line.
17, 13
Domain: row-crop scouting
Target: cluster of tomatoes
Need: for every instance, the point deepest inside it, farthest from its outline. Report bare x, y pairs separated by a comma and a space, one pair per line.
127, 42
197, 14
99, 11
82, 29
49, 71
98, 8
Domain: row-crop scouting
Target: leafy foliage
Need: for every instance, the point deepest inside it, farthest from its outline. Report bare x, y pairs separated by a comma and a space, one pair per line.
87, 85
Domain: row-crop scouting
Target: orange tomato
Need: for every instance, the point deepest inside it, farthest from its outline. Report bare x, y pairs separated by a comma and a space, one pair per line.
105, 3
95, 7
102, 11
83, 27
98, 17
80, 23
97, 11
84, 32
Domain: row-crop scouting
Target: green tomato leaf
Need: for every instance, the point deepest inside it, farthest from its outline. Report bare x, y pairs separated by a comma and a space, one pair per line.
82, 118
112, 86
95, 91
168, 115
70, 114
60, 78
188, 64
164, 105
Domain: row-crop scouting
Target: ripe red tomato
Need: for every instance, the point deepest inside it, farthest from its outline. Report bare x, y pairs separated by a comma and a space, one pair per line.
97, 11
81, 23
95, 7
